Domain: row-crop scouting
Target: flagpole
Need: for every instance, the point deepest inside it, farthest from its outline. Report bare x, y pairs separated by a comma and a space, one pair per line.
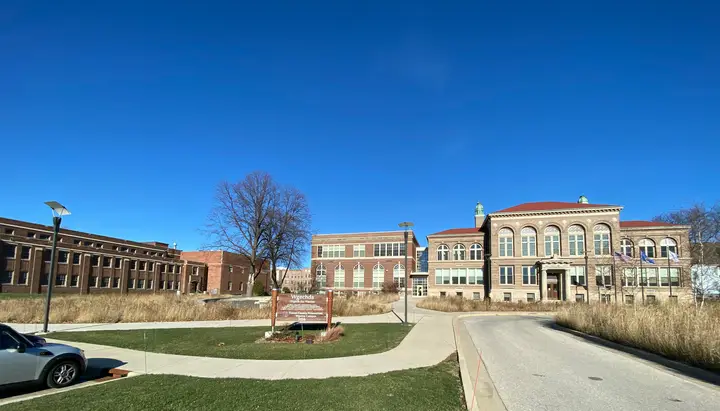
642, 283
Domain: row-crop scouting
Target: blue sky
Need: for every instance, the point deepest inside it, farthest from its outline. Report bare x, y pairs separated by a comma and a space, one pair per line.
380, 111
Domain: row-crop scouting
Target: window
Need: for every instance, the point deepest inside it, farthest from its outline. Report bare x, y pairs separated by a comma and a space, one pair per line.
603, 275
476, 252
131, 283
61, 279
124, 249
106, 261
399, 275
476, 295
162, 284
649, 277
358, 276
378, 275
505, 241
443, 293
475, 276
579, 298
576, 236
141, 283
529, 275
442, 276
6, 277
9, 231
165, 267
601, 234
105, 282
339, 280
530, 297
63, 257
506, 275
151, 266
142, 265
116, 282
647, 246
93, 281
195, 270
133, 265
443, 252
626, 247
99, 245
629, 278
230, 268
30, 234
458, 275
74, 280
23, 278
44, 236
552, 241
25, 253
44, 279
331, 251
605, 298
629, 299
170, 284
458, 293
674, 276
76, 258
359, 250
150, 283
10, 251
389, 249
577, 275
650, 299
507, 297
458, 252
321, 276
667, 244
528, 242
177, 285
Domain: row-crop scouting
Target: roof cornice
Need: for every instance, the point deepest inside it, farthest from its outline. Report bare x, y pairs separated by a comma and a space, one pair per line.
556, 212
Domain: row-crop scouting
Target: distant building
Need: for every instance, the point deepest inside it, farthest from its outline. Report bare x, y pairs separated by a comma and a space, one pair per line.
297, 280
227, 272
91, 264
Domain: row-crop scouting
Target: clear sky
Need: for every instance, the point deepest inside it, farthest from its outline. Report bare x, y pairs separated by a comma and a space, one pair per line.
130, 112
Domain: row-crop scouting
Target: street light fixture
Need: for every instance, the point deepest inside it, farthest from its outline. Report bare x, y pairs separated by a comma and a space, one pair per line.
406, 225
58, 210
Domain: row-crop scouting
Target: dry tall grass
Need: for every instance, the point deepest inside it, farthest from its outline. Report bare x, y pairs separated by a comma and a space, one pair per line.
460, 304
112, 308
680, 332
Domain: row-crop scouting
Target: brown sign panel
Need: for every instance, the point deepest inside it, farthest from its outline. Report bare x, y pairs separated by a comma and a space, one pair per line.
302, 307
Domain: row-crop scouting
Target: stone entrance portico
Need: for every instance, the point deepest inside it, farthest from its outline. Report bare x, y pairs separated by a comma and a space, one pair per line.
554, 279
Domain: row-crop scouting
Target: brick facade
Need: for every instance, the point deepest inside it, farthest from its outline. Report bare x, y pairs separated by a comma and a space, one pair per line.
227, 272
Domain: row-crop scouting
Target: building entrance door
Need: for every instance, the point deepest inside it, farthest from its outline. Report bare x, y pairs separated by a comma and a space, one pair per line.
552, 287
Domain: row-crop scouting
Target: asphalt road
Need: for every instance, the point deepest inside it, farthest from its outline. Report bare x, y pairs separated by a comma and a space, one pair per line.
535, 367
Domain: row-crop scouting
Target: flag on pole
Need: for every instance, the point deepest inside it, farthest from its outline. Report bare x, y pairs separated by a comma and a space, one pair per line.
644, 257
673, 257
621, 256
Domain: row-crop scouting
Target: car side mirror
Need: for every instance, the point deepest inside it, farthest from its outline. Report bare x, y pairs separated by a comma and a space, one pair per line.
21, 348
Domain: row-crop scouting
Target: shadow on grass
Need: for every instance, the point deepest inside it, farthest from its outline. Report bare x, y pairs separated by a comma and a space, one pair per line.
97, 368
702, 374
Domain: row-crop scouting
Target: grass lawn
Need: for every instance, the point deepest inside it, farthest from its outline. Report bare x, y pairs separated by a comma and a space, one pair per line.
239, 342
433, 388
15, 296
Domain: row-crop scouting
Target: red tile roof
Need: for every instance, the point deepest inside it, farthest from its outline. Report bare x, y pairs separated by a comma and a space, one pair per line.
472, 230
639, 223
548, 206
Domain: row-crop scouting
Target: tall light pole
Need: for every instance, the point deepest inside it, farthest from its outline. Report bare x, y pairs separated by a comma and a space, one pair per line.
406, 225
58, 211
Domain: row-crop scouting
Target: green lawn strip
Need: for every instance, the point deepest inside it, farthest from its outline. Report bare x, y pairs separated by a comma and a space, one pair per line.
434, 388
240, 342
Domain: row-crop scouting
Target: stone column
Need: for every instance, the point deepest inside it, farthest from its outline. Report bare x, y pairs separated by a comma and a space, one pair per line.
543, 284
155, 276
124, 275
36, 271
84, 273
567, 284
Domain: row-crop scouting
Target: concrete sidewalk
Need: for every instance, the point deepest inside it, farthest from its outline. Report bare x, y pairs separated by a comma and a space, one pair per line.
429, 342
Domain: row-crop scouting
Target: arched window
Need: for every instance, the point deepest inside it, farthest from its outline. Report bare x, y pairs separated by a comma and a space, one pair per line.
647, 246
399, 275
458, 252
320, 276
626, 247
528, 242
601, 234
667, 244
378, 276
576, 237
476, 252
552, 241
505, 241
339, 280
358, 276
443, 252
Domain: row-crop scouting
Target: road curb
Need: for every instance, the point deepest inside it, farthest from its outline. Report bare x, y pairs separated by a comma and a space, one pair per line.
678, 368
480, 391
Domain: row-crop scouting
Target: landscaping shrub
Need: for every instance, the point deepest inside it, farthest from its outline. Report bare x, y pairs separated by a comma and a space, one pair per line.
390, 287
258, 289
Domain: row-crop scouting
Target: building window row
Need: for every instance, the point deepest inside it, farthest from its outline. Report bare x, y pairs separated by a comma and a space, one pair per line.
651, 277
647, 246
331, 251
358, 277
389, 250
443, 252
459, 276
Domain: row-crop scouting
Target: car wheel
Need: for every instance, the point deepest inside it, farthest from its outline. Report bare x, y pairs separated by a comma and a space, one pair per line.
62, 374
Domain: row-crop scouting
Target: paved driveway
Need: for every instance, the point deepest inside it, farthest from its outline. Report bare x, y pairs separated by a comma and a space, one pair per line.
537, 368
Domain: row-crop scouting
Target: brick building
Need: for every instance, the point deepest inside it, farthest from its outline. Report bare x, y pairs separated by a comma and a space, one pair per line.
297, 280
362, 262
227, 273
91, 264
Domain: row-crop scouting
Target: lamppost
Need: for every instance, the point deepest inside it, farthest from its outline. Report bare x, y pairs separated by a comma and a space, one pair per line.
406, 225
57, 211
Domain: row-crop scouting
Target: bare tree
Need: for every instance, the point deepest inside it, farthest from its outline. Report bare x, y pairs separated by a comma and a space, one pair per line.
240, 218
704, 238
288, 232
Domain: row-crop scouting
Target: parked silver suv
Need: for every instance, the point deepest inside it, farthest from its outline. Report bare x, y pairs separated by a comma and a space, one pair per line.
28, 358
